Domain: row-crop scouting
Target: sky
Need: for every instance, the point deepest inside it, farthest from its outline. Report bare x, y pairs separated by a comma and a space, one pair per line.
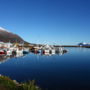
63, 22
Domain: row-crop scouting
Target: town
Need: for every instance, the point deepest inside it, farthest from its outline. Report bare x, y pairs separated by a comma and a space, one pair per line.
18, 49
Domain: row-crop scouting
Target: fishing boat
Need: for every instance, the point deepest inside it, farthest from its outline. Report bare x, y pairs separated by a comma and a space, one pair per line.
19, 52
52, 50
2, 52
60, 50
9, 52
46, 49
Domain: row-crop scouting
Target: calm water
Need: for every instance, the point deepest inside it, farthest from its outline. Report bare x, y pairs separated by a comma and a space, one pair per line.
70, 71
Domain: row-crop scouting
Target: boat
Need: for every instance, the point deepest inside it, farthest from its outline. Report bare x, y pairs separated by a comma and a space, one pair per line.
9, 52
46, 49
60, 50
52, 50
19, 52
2, 52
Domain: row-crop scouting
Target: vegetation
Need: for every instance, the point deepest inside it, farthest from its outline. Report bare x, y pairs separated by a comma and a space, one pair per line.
7, 84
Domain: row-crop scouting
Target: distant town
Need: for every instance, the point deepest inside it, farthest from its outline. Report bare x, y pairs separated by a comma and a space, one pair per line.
23, 48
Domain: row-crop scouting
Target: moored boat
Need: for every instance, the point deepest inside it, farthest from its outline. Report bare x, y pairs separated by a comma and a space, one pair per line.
2, 52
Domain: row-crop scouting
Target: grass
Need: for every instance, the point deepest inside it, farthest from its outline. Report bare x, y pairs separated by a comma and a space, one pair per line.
7, 84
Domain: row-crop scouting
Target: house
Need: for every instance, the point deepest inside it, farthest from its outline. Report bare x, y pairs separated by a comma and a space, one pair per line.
5, 45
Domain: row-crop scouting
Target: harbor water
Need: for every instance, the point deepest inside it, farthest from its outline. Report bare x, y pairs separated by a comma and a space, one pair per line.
69, 71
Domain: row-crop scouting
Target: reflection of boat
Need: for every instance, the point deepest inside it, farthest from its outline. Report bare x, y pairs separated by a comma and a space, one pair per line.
65, 51
3, 58
50, 54
52, 50
19, 55
60, 50
46, 54
19, 52
9, 52
46, 49
26, 51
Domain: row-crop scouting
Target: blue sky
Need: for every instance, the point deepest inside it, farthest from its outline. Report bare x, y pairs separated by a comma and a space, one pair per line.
47, 21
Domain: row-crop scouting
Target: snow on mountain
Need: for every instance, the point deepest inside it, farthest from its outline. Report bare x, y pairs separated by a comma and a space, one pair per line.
3, 29
6, 36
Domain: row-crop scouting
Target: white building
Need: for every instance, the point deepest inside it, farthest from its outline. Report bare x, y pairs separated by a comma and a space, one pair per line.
6, 45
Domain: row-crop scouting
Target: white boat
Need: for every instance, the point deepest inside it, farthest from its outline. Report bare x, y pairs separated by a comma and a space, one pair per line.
46, 49
52, 51
19, 52
9, 52
2, 52
59, 50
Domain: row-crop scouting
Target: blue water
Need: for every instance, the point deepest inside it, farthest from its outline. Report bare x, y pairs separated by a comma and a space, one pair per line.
70, 71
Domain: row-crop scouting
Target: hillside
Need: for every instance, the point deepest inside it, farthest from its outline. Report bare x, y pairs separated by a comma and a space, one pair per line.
6, 36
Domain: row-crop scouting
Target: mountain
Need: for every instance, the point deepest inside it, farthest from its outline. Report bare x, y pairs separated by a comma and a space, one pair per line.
6, 36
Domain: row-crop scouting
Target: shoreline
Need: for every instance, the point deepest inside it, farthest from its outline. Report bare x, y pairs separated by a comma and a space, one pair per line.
71, 46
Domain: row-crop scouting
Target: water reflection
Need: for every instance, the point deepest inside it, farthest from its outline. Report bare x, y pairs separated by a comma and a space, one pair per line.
52, 71
49, 54
4, 58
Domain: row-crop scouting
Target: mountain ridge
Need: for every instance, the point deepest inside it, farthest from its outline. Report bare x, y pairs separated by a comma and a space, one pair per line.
7, 36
